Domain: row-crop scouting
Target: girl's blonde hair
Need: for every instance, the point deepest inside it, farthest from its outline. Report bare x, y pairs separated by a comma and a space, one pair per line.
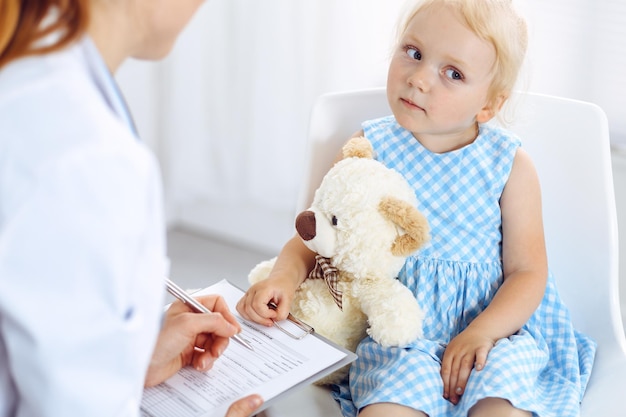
495, 21
24, 23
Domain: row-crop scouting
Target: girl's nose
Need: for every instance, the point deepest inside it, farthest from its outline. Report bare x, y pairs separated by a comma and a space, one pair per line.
420, 78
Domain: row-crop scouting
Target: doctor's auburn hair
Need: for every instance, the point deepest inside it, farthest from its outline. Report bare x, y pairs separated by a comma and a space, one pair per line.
24, 24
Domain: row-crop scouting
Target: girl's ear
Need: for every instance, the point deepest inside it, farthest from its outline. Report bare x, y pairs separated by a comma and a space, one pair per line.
492, 108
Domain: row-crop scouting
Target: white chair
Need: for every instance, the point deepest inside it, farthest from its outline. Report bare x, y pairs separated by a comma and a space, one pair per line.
569, 143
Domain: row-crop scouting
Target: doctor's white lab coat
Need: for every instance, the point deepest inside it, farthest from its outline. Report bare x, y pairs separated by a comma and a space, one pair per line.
82, 247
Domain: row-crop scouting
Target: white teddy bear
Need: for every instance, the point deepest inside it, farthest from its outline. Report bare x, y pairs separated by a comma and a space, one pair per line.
363, 223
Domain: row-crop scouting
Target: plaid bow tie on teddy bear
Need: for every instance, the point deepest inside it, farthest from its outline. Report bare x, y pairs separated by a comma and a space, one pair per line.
325, 270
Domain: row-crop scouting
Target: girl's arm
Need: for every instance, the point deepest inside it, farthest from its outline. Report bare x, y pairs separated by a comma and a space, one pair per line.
525, 275
291, 268
524, 255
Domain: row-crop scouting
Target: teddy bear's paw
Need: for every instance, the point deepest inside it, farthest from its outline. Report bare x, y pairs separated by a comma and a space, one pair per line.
261, 271
393, 337
398, 329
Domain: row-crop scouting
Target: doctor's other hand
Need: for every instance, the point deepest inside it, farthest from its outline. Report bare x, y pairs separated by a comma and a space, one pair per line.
245, 406
191, 339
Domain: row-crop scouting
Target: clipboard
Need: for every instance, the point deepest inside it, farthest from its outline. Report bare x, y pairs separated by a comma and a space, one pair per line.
279, 364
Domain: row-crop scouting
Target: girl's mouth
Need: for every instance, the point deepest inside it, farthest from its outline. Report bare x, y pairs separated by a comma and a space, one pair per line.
410, 104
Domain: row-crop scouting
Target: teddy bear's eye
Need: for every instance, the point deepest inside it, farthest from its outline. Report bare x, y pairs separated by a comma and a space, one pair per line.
334, 220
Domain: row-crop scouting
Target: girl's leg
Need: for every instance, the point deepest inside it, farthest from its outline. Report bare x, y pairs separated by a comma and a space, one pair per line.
389, 409
496, 407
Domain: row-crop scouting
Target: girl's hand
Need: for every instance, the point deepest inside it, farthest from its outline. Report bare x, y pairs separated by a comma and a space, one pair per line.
466, 351
189, 338
254, 305
289, 270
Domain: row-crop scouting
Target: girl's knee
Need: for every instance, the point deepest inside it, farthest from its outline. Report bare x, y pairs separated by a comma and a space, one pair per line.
389, 409
496, 407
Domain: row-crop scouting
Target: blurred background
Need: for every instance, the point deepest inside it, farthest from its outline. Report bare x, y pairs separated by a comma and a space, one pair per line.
227, 112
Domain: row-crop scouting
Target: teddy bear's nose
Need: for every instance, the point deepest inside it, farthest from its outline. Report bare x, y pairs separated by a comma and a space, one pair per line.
305, 225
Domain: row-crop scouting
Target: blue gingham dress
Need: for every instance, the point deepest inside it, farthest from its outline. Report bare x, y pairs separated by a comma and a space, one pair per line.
543, 368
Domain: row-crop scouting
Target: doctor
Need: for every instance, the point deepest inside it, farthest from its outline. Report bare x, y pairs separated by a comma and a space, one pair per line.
82, 248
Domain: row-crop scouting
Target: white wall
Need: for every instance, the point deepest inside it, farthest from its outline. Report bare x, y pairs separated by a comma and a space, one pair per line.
577, 50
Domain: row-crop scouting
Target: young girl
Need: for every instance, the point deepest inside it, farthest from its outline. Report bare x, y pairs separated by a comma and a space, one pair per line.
497, 339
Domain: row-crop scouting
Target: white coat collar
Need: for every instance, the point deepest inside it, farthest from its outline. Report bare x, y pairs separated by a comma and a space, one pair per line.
103, 79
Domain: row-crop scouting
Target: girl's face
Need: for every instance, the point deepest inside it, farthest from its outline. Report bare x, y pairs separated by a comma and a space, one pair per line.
438, 80
159, 24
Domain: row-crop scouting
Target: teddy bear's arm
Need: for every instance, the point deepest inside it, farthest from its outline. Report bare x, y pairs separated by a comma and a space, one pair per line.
393, 314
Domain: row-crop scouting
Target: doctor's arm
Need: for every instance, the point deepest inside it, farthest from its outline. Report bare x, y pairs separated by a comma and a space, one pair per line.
80, 249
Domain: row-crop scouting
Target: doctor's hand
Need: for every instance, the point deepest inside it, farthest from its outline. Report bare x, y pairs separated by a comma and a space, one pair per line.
191, 339
244, 407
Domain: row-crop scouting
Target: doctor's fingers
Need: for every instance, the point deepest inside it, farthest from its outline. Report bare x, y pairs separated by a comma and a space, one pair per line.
208, 331
217, 304
216, 324
207, 349
245, 406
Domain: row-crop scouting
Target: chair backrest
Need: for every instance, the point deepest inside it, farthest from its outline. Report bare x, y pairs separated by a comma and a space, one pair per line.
569, 143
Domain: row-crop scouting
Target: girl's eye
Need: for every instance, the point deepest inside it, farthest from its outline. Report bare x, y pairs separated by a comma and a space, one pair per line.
454, 74
334, 221
414, 53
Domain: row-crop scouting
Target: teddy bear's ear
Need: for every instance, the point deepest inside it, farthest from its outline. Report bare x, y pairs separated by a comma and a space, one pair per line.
358, 147
408, 218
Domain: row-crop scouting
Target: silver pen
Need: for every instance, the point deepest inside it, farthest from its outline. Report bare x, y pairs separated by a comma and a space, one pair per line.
196, 306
